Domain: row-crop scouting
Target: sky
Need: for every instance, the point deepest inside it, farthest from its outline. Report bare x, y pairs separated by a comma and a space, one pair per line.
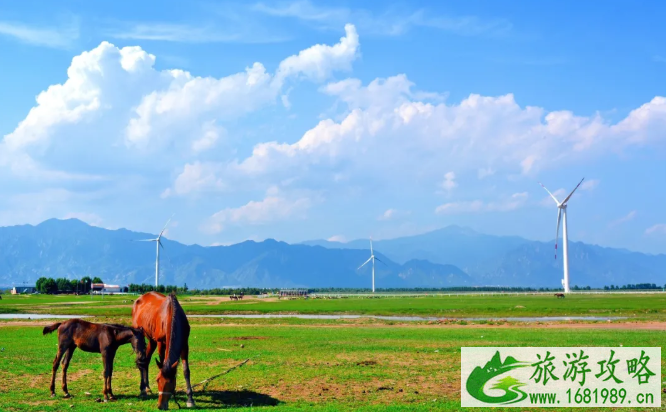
300, 120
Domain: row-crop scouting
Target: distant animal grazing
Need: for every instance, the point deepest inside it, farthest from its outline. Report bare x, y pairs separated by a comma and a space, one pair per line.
97, 338
233, 297
559, 295
167, 329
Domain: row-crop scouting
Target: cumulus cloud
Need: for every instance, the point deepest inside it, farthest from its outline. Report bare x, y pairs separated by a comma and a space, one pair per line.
337, 238
449, 182
195, 178
386, 121
115, 105
513, 202
272, 208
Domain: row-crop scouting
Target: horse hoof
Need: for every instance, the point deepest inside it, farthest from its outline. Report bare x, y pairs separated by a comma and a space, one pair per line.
67, 396
52, 395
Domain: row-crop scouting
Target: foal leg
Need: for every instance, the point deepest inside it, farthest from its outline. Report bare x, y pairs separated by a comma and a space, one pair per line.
56, 362
184, 356
145, 384
110, 355
65, 364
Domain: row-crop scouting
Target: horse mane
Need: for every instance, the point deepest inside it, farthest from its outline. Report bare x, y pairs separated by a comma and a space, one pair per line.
175, 340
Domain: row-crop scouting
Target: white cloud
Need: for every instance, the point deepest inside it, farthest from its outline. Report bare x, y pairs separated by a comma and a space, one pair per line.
626, 218
392, 214
384, 121
337, 238
90, 218
184, 33
392, 22
449, 182
196, 177
271, 208
114, 102
513, 202
61, 37
484, 172
658, 229
589, 184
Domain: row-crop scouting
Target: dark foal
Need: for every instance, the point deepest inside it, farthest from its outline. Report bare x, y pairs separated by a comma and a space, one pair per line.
96, 338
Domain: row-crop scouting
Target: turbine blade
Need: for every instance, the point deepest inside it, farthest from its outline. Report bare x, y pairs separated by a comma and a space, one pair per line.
371, 252
160, 243
376, 258
557, 231
167, 223
366, 262
572, 192
144, 240
551, 195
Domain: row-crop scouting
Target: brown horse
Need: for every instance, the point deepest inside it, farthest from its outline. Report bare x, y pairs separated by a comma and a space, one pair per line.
96, 338
559, 295
167, 330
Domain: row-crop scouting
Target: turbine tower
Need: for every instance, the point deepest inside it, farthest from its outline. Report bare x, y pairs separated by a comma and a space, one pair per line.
158, 244
562, 216
371, 258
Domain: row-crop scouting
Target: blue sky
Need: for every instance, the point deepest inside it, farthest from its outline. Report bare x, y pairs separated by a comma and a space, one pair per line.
298, 120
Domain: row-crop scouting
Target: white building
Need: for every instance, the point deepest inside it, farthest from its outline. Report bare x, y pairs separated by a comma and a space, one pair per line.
104, 288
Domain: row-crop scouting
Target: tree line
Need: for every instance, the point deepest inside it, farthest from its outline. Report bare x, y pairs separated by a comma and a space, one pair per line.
50, 285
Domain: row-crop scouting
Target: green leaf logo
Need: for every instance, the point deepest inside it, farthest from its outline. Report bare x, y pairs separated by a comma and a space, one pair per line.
481, 376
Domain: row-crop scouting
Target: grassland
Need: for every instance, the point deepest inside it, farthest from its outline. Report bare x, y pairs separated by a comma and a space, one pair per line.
648, 306
320, 365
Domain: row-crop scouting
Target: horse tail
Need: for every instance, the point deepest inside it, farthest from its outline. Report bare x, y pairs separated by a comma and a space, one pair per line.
50, 329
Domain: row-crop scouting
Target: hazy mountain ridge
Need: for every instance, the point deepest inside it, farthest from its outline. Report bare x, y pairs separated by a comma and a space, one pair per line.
72, 249
452, 256
515, 261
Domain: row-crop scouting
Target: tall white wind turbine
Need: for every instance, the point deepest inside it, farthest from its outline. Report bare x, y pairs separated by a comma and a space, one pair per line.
562, 216
371, 258
158, 244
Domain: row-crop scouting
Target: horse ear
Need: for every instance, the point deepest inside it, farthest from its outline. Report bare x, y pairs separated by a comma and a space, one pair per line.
175, 364
159, 364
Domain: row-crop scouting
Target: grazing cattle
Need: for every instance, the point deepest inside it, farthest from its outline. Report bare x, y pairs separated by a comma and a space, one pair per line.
167, 329
559, 295
96, 338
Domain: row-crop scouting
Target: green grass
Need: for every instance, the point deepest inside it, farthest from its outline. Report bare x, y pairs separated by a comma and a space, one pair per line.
307, 367
642, 306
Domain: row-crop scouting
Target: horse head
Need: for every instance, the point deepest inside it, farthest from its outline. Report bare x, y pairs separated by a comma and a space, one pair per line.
166, 383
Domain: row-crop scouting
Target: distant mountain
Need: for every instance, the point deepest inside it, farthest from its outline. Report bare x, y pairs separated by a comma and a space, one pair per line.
72, 249
515, 261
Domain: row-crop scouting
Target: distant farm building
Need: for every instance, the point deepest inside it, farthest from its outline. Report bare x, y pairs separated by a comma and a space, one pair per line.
104, 288
19, 290
294, 292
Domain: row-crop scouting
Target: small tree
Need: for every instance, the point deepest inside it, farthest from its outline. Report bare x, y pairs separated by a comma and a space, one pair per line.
97, 280
49, 286
63, 284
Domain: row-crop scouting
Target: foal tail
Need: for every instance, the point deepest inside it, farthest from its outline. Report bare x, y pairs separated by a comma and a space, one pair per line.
50, 329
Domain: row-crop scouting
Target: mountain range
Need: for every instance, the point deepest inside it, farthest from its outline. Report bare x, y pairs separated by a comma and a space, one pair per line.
452, 256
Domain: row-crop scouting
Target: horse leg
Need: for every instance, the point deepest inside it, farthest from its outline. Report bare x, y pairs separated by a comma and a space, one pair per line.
56, 362
184, 356
65, 364
145, 384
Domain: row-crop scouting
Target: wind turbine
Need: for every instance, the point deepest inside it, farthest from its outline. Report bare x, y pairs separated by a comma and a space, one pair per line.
562, 216
158, 244
371, 258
